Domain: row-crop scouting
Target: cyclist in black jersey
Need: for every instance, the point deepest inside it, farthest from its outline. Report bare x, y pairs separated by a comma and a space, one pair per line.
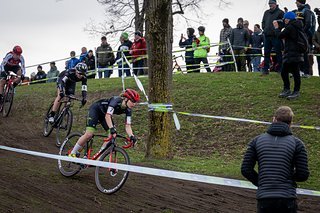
102, 111
66, 84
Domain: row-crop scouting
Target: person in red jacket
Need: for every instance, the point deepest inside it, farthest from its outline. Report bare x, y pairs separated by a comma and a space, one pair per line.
138, 50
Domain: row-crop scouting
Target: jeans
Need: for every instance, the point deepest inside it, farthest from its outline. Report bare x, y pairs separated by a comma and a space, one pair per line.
277, 205
106, 73
123, 69
138, 67
294, 69
269, 42
255, 63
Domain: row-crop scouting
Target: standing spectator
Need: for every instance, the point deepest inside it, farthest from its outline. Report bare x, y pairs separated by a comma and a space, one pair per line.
282, 161
249, 50
53, 72
40, 75
105, 58
292, 57
316, 43
187, 44
239, 40
257, 44
138, 52
202, 47
124, 48
225, 33
270, 39
83, 54
91, 64
308, 18
73, 61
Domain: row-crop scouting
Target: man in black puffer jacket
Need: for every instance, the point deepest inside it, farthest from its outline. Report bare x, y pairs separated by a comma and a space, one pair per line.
282, 160
292, 57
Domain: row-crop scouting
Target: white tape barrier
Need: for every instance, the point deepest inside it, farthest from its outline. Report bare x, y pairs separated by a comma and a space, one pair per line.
156, 172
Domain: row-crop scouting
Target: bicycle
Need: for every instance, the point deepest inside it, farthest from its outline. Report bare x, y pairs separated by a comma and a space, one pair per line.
176, 65
108, 180
63, 120
8, 94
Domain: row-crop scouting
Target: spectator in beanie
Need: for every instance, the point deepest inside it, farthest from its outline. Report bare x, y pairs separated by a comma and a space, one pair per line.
270, 39
257, 44
225, 34
292, 57
124, 48
239, 40
187, 44
138, 52
53, 72
73, 61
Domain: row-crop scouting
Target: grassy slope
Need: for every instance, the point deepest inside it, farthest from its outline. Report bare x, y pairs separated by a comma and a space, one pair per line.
203, 145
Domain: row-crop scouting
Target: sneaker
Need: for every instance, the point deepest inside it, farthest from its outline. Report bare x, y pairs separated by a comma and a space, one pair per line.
293, 95
285, 93
51, 120
72, 155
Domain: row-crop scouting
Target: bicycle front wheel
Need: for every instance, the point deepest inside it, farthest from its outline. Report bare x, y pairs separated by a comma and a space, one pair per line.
47, 127
7, 100
68, 168
64, 127
110, 180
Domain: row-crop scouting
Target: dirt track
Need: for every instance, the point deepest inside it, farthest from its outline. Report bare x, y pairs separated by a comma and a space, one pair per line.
33, 184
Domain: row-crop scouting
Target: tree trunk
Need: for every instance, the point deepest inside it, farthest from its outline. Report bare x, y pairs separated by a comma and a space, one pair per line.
159, 40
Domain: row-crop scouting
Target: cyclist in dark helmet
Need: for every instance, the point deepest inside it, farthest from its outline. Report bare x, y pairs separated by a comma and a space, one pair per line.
102, 111
66, 84
11, 63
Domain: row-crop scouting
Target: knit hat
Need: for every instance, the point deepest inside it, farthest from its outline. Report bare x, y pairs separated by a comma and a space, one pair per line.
225, 21
190, 30
301, 1
290, 15
138, 33
272, 1
125, 35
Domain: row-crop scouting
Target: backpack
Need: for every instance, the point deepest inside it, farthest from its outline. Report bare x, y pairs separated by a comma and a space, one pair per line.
302, 42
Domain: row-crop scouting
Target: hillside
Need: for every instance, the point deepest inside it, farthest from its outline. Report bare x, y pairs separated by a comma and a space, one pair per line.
203, 145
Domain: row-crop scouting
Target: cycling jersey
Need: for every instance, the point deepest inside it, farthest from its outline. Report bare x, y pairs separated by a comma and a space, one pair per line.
10, 63
67, 82
99, 109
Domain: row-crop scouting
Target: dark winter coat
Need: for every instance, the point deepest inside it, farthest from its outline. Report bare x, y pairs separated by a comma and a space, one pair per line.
90, 62
282, 160
268, 17
316, 41
125, 48
239, 38
105, 55
290, 36
305, 14
257, 42
188, 45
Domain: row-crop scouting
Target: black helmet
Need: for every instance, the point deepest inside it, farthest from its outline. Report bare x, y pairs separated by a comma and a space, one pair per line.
201, 28
81, 68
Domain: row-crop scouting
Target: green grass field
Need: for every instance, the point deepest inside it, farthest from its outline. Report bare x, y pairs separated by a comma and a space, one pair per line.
203, 145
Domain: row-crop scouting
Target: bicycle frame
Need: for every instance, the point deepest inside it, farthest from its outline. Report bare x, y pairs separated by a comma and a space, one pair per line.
7, 87
110, 143
67, 105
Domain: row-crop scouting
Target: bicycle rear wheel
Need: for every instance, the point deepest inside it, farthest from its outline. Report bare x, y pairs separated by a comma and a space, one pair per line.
64, 127
47, 127
7, 100
68, 168
110, 180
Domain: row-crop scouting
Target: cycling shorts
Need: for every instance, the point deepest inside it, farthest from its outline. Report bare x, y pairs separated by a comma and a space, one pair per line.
8, 68
96, 116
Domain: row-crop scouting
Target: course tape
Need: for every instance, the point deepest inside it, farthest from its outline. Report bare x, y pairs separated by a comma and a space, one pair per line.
161, 107
155, 172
